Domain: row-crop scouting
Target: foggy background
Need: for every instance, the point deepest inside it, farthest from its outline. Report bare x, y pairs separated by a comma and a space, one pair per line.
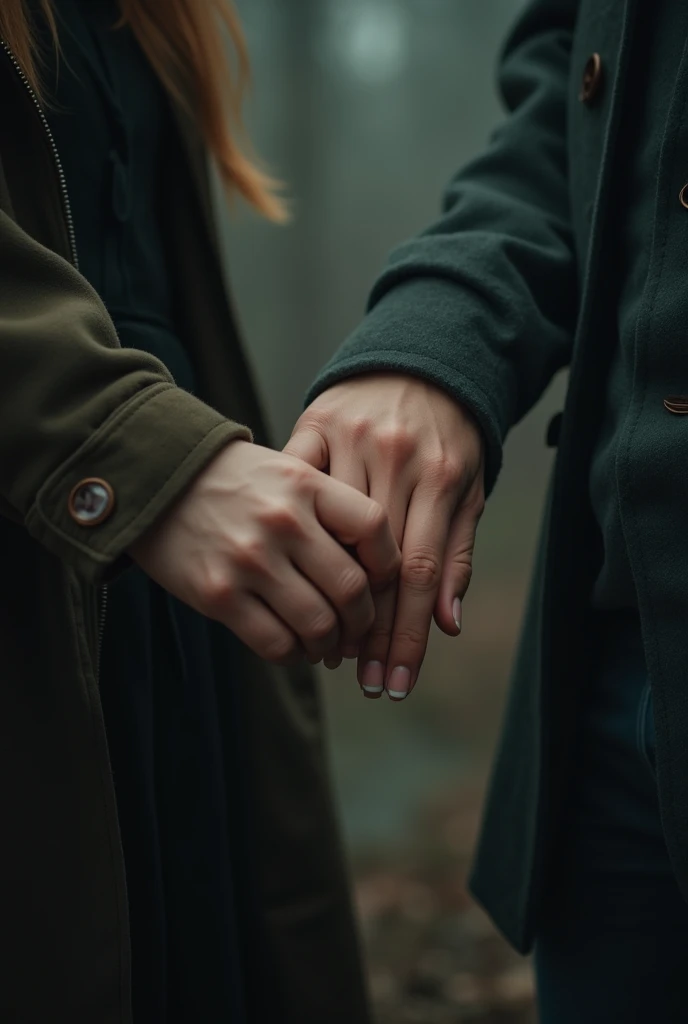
366, 108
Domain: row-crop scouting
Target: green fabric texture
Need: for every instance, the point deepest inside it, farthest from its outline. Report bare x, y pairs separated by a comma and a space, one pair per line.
563, 239
484, 303
80, 406
659, 41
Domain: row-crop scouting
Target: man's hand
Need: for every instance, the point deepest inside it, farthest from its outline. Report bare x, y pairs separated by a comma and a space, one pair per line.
419, 455
252, 544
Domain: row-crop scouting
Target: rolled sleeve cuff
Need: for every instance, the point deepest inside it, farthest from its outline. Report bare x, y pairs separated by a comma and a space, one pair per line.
420, 328
144, 457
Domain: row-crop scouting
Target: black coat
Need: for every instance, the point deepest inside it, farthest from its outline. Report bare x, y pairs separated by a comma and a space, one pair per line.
514, 282
75, 405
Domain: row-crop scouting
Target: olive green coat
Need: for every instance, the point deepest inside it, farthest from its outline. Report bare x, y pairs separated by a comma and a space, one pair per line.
74, 405
515, 281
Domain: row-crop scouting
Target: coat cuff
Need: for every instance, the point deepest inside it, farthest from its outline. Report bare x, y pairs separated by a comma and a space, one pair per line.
143, 458
405, 332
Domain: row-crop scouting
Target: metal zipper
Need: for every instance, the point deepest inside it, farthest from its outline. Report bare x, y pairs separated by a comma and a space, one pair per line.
66, 206
69, 220
102, 614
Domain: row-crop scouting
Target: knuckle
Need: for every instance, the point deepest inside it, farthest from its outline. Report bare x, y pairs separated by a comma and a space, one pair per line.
410, 637
446, 471
396, 443
353, 585
320, 626
379, 636
299, 475
376, 518
252, 555
359, 428
463, 574
317, 417
280, 517
420, 570
466, 572
218, 594
279, 649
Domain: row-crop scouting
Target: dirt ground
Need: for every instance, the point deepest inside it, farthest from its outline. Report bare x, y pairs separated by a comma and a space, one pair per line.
433, 956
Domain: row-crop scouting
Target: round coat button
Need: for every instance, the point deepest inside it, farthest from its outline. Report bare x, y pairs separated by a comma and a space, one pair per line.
91, 502
592, 79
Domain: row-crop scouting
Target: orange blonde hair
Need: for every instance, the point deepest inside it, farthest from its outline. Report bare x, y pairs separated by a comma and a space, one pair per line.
184, 42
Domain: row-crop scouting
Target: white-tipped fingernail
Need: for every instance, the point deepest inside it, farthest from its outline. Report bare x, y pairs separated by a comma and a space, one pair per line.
456, 612
399, 683
373, 677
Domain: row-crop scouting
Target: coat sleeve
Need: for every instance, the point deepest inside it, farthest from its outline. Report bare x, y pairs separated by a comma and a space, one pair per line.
74, 405
484, 302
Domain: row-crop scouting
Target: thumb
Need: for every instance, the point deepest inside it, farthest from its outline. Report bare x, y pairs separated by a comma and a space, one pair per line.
456, 571
309, 445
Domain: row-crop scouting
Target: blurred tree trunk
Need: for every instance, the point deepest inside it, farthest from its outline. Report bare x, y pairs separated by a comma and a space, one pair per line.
304, 146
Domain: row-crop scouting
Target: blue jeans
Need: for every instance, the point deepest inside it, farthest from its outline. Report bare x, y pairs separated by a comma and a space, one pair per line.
613, 941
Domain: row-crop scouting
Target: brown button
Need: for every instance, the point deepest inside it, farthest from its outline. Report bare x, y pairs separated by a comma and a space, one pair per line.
678, 404
91, 502
592, 79
683, 196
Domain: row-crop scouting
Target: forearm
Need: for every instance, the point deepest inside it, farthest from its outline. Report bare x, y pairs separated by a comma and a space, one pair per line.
74, 405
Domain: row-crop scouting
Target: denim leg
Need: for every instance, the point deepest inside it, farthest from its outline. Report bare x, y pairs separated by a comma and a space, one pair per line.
613, 940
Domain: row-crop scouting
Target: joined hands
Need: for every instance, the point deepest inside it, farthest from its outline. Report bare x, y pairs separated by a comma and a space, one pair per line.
419, 455
346, 544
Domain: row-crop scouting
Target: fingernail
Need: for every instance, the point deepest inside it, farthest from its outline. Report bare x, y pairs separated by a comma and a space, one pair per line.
399, 683
373, 677
350, 652
456, 612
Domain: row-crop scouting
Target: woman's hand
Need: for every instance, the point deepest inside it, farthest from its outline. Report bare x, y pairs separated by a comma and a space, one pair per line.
252, 544
419, 455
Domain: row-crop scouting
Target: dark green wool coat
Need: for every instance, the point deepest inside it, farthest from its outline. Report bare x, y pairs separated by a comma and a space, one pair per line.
516, 280
74, 406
